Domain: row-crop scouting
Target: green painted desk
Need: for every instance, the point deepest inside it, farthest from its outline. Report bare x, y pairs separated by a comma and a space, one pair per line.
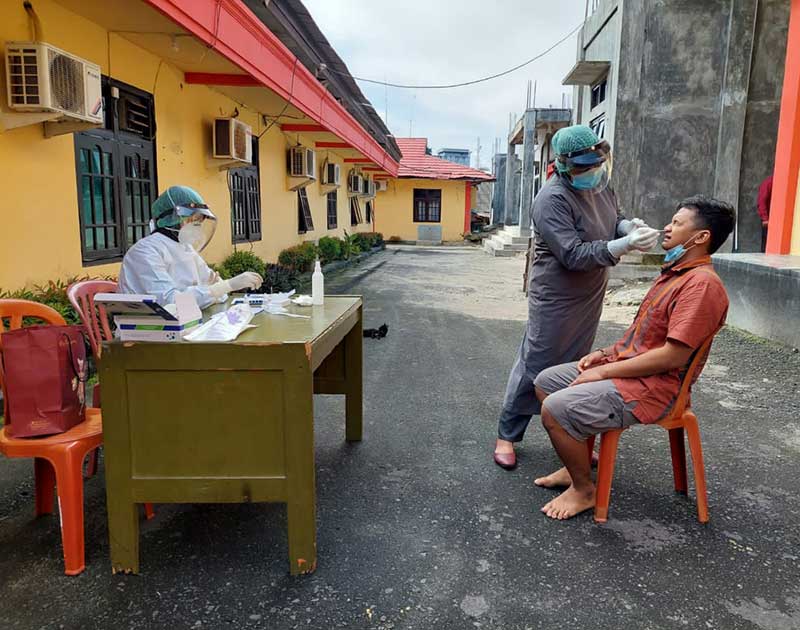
227, 422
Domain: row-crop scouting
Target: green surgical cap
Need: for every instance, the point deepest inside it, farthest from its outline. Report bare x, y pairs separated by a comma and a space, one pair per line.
571, 139
171, 198
574, 138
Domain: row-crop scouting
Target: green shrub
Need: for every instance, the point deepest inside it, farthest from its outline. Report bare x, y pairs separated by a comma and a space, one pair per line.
330, 249
239, 262
378, 239
53, 294
364, 241
278, 279
300, 257
350, 246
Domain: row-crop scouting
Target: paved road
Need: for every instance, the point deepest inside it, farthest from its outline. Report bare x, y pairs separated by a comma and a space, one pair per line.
417, 527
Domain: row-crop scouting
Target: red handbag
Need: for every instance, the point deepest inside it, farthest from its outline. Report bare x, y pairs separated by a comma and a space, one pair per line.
43, 372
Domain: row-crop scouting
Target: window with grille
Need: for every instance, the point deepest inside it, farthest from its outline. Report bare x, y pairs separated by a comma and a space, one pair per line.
305, 223
244, 185
116, 172
355, 211
598, 125
427, 205
368, 211
333, 201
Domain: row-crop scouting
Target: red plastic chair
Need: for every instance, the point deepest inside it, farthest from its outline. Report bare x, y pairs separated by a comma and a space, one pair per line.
682, 420
95, 321
58, 459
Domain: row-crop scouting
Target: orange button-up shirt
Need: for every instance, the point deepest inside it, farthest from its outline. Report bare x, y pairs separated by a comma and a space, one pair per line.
687, 304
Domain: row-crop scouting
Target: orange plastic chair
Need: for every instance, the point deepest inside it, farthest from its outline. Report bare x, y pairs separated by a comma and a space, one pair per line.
681, 420
95, 321
58, 459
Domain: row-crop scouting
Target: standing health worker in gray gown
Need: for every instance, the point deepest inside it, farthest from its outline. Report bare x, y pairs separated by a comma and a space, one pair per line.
578, 235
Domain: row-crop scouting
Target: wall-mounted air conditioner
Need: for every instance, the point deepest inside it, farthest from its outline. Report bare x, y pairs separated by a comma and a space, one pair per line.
367, 185
43, 78
354, 183
233, 140
301, 162
381, 185
371, 191
331, 174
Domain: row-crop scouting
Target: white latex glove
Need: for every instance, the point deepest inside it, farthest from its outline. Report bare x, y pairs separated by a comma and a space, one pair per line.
626, 226
247, 280
641, 238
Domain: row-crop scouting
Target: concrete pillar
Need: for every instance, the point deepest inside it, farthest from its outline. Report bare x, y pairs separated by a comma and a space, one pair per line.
528, 169
499, 192
733, 108
515, 165
512, 184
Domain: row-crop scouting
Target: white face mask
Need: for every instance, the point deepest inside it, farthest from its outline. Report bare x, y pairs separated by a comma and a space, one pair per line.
191, 234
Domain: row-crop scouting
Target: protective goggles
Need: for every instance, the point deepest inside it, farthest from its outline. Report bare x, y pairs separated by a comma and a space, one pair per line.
196, 214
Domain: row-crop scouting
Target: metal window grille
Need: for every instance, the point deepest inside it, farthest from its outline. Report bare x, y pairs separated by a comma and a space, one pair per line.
245, 189
333, 202
427, 205
305, 223
116, 175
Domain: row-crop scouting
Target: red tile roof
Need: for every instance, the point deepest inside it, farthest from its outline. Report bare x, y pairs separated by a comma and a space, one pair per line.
416, 163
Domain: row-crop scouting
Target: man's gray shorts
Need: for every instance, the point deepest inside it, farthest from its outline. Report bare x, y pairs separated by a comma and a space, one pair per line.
586, 409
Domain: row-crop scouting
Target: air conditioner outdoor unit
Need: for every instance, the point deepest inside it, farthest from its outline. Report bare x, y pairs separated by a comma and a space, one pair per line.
382, 185
371, 191
43, 78
331, 174
354, 183
233, 140
302, 162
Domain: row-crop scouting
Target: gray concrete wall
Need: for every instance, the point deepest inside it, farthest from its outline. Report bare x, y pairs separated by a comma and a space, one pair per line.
697, 104
763, 112
764, 293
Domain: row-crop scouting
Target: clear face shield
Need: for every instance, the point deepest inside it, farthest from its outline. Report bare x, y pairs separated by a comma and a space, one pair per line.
193, 224
198, 225
589, 168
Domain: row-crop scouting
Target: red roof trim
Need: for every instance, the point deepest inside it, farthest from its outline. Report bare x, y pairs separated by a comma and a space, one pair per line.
231, 29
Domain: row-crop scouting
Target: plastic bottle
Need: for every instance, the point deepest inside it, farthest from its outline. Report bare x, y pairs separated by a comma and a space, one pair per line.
317, 285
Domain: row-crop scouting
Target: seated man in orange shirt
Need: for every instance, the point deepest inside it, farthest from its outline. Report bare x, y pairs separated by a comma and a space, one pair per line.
638, 378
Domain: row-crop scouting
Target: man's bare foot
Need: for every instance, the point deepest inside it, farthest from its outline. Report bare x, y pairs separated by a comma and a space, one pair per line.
503, 446
569, 503
554, 480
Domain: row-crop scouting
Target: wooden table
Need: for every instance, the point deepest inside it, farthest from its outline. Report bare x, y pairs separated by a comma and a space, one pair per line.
227, 422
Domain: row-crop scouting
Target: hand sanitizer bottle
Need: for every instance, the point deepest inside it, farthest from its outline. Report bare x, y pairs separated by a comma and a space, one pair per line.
317, 285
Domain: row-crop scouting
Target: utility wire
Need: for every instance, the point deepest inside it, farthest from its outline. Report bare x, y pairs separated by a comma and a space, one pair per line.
465, 83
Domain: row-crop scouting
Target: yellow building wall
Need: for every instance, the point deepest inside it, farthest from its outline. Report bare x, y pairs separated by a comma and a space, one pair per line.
40, 233
795, 243
394, 209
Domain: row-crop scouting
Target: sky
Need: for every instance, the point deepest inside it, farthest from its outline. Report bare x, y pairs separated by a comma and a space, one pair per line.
449, 41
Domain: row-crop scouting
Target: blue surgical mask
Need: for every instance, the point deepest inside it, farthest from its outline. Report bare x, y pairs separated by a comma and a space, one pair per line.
588, 180
677, 252
674, 254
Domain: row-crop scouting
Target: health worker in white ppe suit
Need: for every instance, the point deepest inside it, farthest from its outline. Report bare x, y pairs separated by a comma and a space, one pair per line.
168, 261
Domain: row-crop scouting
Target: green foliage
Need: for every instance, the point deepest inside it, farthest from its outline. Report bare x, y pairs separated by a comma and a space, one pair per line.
239, 262
300, 257
278, 279
350, 246
53, 294
330, 249
367, 240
